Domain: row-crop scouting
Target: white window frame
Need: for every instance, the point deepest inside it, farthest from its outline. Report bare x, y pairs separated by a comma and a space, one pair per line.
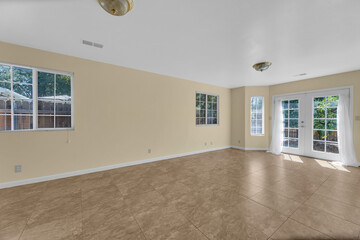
35, 71
263, 117
206, 109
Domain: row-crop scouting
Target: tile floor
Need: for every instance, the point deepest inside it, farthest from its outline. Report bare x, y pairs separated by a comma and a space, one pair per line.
227, 194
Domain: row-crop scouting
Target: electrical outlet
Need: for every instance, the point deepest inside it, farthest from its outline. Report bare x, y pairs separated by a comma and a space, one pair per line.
149, 150
238, 141
18, 168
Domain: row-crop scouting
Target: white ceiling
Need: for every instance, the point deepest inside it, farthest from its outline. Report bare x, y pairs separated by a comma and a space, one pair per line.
208, 41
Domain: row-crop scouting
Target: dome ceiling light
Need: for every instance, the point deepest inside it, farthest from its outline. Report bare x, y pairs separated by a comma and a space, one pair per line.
116, 7
262, 66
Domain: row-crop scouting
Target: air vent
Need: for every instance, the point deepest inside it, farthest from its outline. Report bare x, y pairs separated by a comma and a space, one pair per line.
98, 45
301, 74
93, 44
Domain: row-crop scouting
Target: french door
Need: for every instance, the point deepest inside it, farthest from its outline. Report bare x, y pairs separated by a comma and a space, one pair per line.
310, 124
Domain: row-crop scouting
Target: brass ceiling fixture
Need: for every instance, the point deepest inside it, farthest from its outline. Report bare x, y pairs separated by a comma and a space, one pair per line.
262, 66
116, 7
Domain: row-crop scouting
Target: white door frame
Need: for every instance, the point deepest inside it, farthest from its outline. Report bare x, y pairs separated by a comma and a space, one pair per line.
309, 118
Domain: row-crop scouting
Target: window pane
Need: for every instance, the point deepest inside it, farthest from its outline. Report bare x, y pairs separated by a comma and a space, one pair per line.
293, 123
197, 97
319, 135
259, 123
253, 104
253, 123
294, 103
331, 113
319, 124
294, 113
45, 107
286, 132
63, 87
22, 91
259, 116
46, 122
63, 108
214, 106
253, 130
23, 106
331, 124
286, 142
319, 102
285, 104
215, 121
63, 122
202, 97
209, 120
332, 101
202, 113
253, 116
5, 122
22, 75
331, 136
23, 122
5, 106
319, 146
5, 89
259, 104
197, 113
286, 123
46, 85
293, 143
332, 148
319, 113
259, 131
5, 73
285, 114
293, 133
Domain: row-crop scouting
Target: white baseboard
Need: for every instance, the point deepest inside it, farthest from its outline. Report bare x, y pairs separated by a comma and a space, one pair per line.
99, 169
250, 149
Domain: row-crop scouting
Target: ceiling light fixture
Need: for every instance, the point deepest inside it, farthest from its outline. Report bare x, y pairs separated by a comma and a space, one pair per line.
262, 66
116, 7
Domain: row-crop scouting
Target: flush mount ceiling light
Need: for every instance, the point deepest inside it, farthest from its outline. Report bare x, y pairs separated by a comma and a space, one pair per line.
116, 7
262, 66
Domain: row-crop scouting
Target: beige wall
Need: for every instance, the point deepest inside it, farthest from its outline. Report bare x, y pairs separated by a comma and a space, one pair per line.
119, 114
240, 117
332, 81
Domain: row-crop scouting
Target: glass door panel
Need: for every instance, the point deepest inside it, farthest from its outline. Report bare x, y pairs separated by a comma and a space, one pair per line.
292, 120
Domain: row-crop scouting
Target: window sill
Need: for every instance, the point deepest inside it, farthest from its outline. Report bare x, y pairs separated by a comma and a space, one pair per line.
40, 130
257, 135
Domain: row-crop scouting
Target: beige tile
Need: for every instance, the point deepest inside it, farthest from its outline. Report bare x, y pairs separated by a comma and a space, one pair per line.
145, 201
160, 221
265, 219
326, 223
276, 202
295, 230
344, 211
134, 187
346, 195
295, 191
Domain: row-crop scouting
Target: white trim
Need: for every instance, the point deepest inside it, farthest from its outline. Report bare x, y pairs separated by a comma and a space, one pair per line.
99, 169
250, 149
